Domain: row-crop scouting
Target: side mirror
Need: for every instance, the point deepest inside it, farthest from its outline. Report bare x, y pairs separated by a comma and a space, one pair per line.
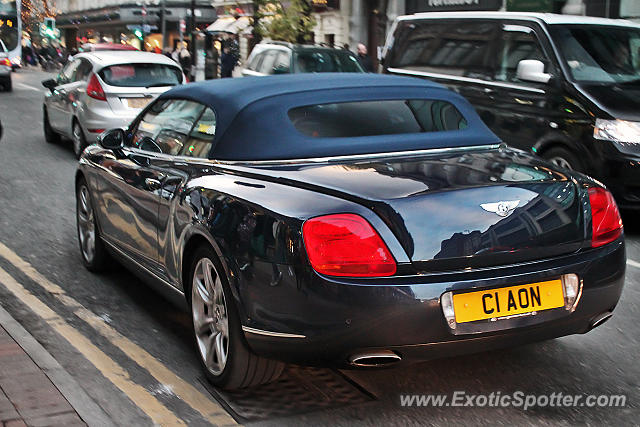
532, 70
49, 84
111, 139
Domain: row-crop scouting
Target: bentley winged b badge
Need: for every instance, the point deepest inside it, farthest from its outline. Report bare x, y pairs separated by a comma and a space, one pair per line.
502, 208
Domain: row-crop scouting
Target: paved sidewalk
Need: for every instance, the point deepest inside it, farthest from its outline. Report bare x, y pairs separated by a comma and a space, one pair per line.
34, 389
27, 395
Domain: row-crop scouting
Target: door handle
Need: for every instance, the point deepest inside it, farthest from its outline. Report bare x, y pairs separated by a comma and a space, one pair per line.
152, 184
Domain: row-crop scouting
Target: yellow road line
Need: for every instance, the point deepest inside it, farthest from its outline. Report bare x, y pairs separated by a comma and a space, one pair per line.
209, 409
151, 406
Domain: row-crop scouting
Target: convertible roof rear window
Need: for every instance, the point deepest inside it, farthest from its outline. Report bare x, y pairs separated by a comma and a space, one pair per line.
370, 118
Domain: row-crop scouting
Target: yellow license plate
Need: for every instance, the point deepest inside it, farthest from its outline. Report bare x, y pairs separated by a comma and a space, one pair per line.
137, 102
508, 301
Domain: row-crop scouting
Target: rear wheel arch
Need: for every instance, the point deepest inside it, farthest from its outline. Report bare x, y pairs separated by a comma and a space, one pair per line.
543, 149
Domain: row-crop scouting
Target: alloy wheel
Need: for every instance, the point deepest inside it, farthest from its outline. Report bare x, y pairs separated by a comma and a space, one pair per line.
210, 318
86, 224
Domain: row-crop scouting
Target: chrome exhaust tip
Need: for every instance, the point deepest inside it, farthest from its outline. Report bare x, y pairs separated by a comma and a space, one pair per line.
600, 319
374, 358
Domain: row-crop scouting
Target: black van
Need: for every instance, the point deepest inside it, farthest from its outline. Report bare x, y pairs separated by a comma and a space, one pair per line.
564, 87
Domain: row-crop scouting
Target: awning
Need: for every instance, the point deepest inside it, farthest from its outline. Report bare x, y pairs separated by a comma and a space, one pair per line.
229, 24
220, 25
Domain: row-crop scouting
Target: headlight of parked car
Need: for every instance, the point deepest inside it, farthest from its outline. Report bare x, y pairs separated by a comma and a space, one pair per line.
617, 130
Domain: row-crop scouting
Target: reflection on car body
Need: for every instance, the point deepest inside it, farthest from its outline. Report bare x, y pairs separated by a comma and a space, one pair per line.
292, 236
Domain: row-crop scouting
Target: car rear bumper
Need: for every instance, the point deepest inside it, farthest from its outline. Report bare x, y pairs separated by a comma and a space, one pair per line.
330, 321
97, 118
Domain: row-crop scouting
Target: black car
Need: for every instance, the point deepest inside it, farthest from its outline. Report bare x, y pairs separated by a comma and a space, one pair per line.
350, 220
564, 87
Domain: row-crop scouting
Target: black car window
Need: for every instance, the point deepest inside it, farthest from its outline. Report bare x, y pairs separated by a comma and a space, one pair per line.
326, 61
517, 43
448, 47
68, 73
266, 66
201, 136
166, 125
369, 118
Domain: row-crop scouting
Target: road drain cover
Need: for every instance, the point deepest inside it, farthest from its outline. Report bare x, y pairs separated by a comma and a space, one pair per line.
299, 390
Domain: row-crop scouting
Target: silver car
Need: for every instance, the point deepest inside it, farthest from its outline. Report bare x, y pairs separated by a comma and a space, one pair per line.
5, 68
104, 90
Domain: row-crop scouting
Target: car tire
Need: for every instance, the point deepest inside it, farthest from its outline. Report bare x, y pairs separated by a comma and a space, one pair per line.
8, 86
563, 158
49, 134
78, 140
92, 250
217, 329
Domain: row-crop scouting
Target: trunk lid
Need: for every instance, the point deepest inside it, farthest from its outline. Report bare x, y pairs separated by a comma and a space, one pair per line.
477, 208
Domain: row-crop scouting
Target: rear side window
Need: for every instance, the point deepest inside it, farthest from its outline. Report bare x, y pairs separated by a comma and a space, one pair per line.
141, 75
326, 61
166, 126
370, 118
447, 47
201, 136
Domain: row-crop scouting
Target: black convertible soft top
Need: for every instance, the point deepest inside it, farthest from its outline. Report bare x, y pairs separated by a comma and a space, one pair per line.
252, 115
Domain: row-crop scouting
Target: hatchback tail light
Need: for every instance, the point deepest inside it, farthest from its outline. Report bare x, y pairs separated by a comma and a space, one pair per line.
94, 89
346, 245
606, 224
5, 61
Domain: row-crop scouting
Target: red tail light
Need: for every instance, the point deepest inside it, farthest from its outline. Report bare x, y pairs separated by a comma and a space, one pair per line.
5, 61
606, 224
346, 245
94, 90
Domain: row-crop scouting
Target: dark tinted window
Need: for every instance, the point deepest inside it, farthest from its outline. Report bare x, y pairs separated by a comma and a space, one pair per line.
141, 75
368, 118
326, 61
448, 47
597, 53
517, 43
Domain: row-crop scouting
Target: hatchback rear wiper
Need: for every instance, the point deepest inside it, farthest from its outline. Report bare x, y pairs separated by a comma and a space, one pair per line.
161, 84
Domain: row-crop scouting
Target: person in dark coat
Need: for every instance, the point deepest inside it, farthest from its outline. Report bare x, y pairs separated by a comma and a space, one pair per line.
365, 60
227, 63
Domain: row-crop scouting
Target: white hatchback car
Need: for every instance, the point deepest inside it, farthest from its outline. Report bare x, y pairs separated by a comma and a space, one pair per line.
104, 90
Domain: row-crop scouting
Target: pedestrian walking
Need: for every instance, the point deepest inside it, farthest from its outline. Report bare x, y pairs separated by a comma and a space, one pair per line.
227, 63
185, 60
364, 59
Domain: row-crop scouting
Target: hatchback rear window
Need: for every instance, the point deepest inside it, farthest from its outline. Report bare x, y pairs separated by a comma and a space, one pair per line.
370, 118
141, 75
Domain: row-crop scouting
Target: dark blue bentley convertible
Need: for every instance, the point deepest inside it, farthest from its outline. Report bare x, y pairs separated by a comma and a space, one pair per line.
346, 220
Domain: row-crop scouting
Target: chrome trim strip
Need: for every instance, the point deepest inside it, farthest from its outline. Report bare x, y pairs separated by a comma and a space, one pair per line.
270, 334
431, 151
464, 79
124, 254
